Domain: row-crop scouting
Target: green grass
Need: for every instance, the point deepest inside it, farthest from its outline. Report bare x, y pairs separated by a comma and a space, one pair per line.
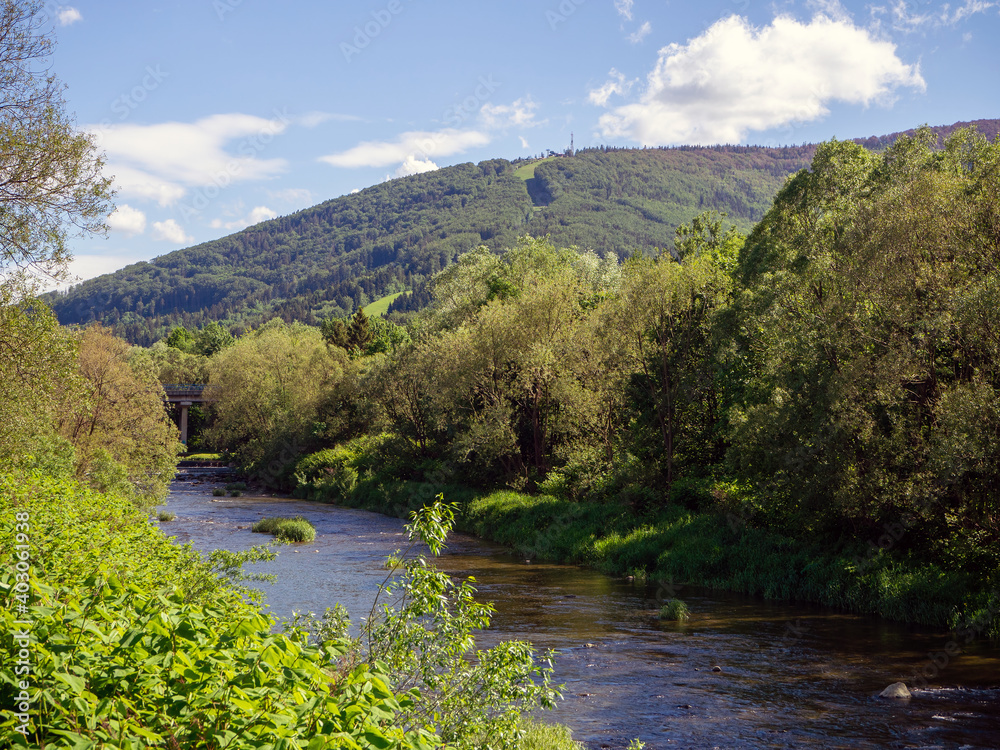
527, 172
381, 306
202, 457
295, 529
675, 611
541, 736
673, 543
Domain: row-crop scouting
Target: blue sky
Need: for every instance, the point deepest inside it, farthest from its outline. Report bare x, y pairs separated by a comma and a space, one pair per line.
217, 114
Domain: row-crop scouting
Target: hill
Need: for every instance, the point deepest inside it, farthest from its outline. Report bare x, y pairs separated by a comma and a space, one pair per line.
347, 252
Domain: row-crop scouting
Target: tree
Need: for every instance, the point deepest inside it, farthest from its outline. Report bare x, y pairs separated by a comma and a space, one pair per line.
116, 419
37, 361
271, 383
663, 318
870, 320
50, 175
181, 338
359, 332
212, 339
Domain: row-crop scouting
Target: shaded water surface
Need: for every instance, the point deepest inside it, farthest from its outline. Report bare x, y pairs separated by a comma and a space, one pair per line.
791, 675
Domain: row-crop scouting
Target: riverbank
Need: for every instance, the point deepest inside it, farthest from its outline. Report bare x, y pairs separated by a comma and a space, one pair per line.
722, 552
166, 651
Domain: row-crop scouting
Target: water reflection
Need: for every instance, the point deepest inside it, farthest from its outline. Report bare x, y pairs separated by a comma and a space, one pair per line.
791, 675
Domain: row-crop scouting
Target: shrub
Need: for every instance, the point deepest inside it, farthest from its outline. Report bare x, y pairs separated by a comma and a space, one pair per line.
236, 486
295, 529
165, 516
675, 611
235, 493
218, 492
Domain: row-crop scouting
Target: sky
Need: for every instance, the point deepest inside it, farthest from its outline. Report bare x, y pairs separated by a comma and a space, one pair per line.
215, 115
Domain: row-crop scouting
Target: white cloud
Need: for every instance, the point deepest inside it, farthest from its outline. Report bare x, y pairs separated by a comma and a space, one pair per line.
138, 184
86, 266
256, 216
624, 8
295, 196
641, 34
262, 213
413, 165
171, 231
615, 85
419, 145
67, 15
520, 113
312, 119
735, 78
127, 220
524, 142
903, 18
160, 161
970, 8
830, 8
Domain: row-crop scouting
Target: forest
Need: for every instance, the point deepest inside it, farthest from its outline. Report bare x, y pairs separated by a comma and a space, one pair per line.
328, 260
824, 387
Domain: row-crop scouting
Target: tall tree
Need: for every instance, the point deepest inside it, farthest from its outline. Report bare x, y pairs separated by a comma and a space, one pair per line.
50, 174
870, 317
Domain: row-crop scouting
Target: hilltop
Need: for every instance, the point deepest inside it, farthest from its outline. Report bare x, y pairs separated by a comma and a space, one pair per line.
329, 259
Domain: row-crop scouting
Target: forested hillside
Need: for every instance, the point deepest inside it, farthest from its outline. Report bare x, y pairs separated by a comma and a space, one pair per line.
330, 259
327, 260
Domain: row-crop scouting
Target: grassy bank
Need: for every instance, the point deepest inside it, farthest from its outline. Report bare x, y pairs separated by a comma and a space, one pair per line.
707, 549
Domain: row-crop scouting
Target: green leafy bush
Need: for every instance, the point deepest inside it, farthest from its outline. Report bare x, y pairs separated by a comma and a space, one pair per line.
138, 644
218, 492
423, 637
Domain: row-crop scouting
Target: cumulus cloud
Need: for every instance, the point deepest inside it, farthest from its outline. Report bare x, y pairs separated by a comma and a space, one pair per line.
624, 8
520, 113
85, 266
616, 84
413, 165
67, 15
160, 161
256, 216
641, 33
418, 145
736, 78
171, 231
127, 220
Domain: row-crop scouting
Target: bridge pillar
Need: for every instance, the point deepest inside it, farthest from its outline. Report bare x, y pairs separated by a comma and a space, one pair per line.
184, 420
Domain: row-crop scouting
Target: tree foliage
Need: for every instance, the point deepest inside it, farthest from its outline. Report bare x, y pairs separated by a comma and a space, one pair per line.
870, 319
50, 174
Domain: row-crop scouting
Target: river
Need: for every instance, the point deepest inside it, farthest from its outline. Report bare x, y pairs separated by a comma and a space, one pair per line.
792, 676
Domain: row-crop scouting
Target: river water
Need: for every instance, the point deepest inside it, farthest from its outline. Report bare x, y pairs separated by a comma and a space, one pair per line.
792, 676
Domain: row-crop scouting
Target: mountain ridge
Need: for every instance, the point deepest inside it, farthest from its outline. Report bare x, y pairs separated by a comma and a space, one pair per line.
329, 259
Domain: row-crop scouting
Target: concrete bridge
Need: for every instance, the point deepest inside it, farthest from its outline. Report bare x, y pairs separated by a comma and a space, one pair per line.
186, 395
